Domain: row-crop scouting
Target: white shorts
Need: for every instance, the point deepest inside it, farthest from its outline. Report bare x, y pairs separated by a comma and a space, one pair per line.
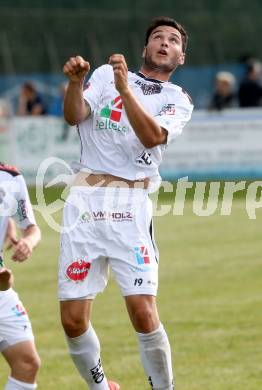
105, 227
15, 325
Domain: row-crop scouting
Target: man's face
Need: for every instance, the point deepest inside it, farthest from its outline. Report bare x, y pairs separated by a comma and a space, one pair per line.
164, 49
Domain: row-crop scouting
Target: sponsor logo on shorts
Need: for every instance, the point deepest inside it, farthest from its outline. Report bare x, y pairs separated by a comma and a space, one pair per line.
151, 283
19, 310
142, 259
97, 372
142, 256
86, 217
102, 215
78, 270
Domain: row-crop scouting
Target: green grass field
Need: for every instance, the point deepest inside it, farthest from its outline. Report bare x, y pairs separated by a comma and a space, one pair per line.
209, 301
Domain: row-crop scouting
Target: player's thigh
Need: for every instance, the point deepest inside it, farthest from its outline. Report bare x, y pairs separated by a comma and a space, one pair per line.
15, 325
23, 360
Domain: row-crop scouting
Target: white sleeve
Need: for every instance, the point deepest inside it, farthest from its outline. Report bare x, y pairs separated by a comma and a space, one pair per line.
24, 215
174, 115
93, 89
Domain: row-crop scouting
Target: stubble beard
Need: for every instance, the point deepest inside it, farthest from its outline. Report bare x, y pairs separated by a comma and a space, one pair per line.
163, 68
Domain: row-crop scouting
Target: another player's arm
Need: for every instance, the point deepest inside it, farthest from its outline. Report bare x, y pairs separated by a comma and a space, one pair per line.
146, 128
76, 109
24, 246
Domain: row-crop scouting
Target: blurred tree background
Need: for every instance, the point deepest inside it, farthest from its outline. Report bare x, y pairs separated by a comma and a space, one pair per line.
39, 35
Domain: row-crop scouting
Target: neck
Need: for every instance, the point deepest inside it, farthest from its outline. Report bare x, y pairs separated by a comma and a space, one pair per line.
156, 74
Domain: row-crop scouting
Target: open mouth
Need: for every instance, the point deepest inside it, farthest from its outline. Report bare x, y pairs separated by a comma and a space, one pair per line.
163, 52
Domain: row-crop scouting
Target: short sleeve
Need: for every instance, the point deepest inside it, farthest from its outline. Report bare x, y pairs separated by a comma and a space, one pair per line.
24, 215
174, 115
93, 89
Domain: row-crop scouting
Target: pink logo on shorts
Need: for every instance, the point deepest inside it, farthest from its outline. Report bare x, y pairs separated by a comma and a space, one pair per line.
78, 270
19, 310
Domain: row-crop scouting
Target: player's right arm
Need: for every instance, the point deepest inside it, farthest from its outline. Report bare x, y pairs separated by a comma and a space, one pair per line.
76, 109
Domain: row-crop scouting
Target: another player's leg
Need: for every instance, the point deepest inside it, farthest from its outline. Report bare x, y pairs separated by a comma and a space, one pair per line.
83, 343
24, 362
153, 341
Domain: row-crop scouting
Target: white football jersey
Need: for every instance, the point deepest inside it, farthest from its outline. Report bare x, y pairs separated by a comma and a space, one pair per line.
108, 141
14, 201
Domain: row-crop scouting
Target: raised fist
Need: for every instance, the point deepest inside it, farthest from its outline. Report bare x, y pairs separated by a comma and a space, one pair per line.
76, 69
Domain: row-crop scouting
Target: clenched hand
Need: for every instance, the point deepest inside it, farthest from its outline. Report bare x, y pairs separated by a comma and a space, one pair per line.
76, 69
120, 70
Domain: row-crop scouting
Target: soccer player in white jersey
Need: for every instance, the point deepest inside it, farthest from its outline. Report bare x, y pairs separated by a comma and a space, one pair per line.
125, 121
16, 337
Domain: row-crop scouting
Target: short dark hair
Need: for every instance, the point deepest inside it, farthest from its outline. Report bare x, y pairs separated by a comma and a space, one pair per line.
166, 21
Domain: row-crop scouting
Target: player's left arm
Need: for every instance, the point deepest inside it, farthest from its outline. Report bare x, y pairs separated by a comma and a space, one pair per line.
149, 132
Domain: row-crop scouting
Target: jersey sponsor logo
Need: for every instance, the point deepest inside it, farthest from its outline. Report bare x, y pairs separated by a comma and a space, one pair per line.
97, 372
142, 256
102, 215
144, 158
110, 116
149, 89
107, 124
113, 111
78, 270
19, 310
168, 109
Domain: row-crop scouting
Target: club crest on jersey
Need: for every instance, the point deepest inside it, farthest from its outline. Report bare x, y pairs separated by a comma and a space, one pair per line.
168, 109
149, 89
78, 270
